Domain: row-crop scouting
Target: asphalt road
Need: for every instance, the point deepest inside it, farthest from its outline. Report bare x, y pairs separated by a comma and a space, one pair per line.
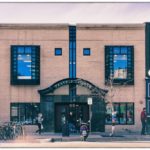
139, 144
94, 141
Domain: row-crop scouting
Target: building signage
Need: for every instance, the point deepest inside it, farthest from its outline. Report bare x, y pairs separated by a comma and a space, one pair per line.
90, 101
68, 81
72, 81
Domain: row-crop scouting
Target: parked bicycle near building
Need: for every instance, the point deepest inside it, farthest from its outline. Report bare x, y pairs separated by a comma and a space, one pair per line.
11, 130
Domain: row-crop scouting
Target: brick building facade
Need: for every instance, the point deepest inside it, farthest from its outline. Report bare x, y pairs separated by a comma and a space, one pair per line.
55, 68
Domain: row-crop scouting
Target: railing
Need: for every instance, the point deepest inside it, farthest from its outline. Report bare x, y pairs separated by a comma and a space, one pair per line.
11, 130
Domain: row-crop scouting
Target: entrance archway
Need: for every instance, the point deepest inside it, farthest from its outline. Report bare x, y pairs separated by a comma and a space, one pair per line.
78, 81
52, 106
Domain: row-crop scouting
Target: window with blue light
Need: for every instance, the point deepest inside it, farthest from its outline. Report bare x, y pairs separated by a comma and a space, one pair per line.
25, 65
72, 60
119, 64
72, 52
58, 51
86, 51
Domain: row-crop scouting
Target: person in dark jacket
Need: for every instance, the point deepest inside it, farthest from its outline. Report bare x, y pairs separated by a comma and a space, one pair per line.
143, 121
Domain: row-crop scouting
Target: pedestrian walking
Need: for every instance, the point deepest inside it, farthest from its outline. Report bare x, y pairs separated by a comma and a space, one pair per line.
143, 121
113, 122
39, 121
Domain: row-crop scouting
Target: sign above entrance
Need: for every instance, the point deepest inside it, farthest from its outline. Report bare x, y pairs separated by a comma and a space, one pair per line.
76, 81
72, 81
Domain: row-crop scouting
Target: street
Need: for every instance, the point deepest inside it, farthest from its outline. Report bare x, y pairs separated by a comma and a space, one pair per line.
74, 141
139, 144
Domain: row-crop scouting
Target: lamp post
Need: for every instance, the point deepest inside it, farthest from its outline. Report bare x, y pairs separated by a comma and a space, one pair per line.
90, 101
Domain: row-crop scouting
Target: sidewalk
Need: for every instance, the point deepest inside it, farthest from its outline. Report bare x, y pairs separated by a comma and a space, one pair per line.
94, 140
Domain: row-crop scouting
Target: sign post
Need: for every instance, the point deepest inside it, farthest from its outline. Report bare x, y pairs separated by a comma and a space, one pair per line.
90, 102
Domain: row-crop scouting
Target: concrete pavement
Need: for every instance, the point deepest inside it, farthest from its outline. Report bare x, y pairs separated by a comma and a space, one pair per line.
80, 145
74, 141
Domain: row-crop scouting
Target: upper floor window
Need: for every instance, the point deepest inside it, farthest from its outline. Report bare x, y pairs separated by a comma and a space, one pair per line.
25, 65
119, 64
86, 51
58, 51
124, 113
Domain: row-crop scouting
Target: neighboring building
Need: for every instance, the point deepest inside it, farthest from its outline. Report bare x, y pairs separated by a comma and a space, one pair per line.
147, 72
54, 69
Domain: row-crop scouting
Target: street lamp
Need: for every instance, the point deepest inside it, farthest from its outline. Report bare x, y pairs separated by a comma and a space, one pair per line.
90, 101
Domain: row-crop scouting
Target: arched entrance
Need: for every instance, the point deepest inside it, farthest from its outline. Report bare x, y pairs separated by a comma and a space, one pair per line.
55, 107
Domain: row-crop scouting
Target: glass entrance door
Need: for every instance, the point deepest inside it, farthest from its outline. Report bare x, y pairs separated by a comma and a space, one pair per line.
74, 113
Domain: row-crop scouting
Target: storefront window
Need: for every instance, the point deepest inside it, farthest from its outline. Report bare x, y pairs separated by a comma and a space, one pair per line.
24, 112
21, 112
116, 109
14, 112
108, 114
124, 113
130, 114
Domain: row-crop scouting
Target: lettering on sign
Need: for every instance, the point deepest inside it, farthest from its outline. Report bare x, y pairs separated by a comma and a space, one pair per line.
66, 82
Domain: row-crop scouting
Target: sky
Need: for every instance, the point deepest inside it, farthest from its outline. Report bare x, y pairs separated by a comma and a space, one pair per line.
73, 13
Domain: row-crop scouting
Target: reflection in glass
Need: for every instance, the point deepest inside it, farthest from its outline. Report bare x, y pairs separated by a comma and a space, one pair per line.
25, 112
116, 109
120, 66
130, 114
122, 113
108, 115
14, 112
24, 66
